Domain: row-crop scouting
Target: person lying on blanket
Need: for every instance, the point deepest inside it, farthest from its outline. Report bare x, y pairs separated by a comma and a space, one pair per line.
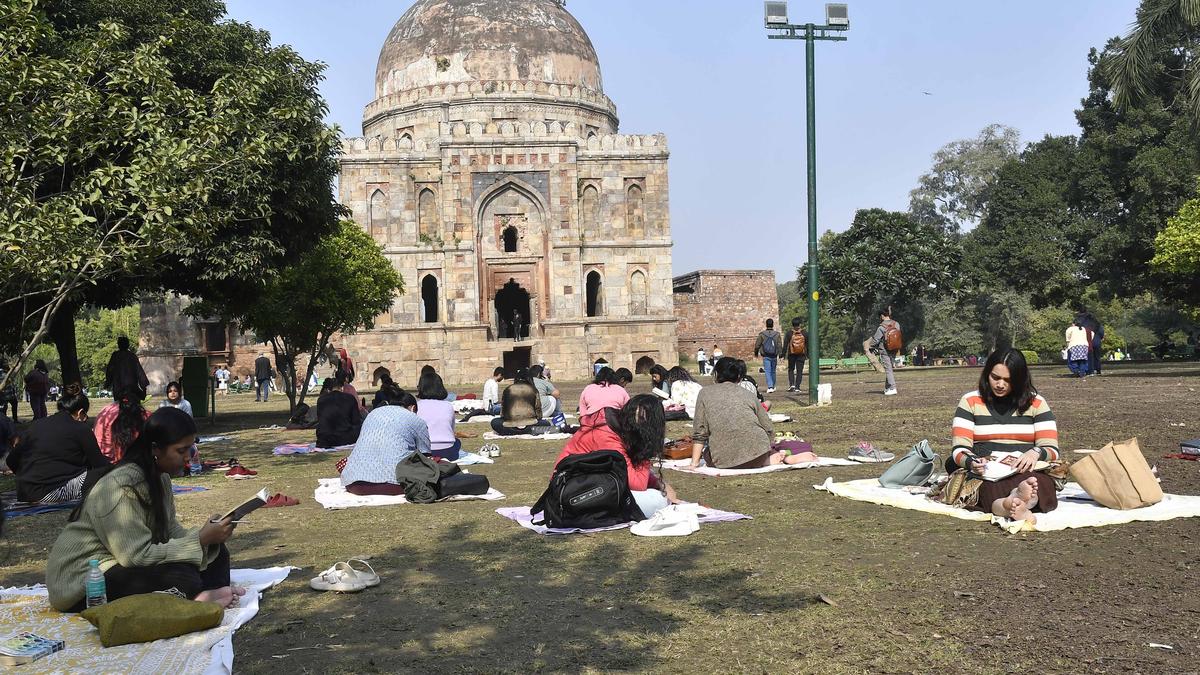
491, 397
735, 427
127, 522
636, 430
339, 416
58, 455
520, 409
603, 393
391, 433
1006, 414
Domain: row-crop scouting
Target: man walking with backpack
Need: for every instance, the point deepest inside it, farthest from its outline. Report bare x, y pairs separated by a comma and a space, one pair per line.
768, 344
797, 350
887, 340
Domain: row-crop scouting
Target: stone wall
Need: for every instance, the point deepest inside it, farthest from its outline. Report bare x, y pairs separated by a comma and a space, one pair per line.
727, 308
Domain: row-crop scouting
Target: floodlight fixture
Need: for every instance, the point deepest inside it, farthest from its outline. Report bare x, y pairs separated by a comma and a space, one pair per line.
837, 14
776, 13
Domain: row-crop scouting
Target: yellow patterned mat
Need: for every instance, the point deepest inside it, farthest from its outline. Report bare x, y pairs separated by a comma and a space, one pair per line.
29, 610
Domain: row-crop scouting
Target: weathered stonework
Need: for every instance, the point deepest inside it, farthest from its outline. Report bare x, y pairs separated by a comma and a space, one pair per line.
491, 171
727, 308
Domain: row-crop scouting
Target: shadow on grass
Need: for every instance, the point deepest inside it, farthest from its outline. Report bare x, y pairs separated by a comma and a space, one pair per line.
519, 602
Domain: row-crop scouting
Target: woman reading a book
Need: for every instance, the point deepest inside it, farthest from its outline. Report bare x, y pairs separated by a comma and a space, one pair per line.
1005, 420
127, 522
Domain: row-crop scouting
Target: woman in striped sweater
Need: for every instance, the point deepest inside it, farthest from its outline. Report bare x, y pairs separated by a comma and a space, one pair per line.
1007, 415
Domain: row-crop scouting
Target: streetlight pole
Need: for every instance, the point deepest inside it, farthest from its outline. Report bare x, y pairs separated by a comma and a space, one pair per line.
810, 33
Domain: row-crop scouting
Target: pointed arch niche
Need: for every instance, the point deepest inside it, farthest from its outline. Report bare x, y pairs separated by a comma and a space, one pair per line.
430, 302
638, 293
594, 293
589, 206
429, 222
377, 215
635, 207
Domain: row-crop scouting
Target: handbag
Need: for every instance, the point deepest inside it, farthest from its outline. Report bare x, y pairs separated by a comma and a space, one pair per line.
680, 449
915, 468
1118, 477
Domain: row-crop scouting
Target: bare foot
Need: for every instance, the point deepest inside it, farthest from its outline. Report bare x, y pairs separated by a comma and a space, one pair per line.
778, 458
800, 458
222, 596
1018, 509
1027, 489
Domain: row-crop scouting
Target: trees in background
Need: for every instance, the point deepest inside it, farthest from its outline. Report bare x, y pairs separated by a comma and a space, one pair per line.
951, 196
1160, 26
338, 287
147, 147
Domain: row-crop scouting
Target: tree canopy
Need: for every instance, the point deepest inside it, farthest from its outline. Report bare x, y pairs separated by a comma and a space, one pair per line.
145, 146
952, 195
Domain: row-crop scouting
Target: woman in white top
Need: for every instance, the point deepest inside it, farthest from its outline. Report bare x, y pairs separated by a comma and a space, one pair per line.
684, 390
1077, 349
175, 399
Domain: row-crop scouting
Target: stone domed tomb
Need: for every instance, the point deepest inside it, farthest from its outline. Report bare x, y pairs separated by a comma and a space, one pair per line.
491, 171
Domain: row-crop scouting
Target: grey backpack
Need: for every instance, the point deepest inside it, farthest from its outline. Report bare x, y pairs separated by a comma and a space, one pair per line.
915, 468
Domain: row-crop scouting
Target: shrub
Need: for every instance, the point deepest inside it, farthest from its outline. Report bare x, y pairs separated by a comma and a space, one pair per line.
1031, 357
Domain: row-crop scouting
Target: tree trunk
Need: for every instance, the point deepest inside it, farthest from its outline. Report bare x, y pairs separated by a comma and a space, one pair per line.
62, 333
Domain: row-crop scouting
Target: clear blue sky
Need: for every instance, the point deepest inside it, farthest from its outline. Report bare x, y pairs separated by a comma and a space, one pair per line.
731, 101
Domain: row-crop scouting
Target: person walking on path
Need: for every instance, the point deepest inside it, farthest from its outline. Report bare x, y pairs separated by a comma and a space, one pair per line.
124, 372
796, 340
887, 339
37, 385
263, 376
768, 345
701, 361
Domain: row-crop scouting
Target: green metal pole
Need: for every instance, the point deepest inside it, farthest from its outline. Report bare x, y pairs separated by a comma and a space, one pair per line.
814, 296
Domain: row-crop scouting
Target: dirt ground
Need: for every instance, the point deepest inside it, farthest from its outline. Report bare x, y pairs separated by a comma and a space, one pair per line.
467, 591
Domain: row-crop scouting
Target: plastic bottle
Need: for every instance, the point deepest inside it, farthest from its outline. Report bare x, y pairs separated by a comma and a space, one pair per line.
94, 585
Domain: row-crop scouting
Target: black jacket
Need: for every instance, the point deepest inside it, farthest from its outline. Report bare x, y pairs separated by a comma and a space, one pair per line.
338, 419
262, 368
53, 451
124, 372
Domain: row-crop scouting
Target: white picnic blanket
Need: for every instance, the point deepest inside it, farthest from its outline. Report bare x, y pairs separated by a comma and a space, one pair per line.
780, 417
332, 495
1075, 508
468, 458
493, 436
209, 652
682, 464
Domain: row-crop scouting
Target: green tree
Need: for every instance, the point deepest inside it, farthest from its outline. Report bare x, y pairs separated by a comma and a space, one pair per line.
952, 195
1029, 240
1177, 246
951, 328
96, 336
1161, 26
1046, 332
1004, 317
144, 146
338, 287
885, 257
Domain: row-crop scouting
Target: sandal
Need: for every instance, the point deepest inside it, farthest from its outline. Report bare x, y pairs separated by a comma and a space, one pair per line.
368, 576
280, 499
341, 578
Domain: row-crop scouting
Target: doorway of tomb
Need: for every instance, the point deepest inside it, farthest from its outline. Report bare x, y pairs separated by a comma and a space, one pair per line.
513, 313
644, 363
518, 358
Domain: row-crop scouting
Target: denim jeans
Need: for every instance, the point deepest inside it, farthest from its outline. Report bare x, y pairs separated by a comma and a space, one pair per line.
795, 370
770, 363
263, 390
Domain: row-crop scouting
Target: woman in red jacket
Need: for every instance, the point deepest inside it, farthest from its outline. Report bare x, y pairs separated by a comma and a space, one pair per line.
636, 430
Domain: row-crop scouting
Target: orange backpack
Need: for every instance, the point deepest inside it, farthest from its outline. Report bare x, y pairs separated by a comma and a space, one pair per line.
798, 346
893, 339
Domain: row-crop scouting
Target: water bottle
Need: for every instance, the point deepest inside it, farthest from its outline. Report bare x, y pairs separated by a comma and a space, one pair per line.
94, 585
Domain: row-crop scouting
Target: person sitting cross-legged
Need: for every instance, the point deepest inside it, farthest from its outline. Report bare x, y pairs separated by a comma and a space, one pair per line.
58, 456
1007, 415
438, 413
127, 522
391, 432
520, 409
636, 430
339, 416
491, 396
603, 393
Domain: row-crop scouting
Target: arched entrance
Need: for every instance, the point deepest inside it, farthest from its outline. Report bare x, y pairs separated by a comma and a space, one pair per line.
594, 300
512, 311
643, 365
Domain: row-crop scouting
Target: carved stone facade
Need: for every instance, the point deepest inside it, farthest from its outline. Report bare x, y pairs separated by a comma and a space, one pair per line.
491, 171
524, 226
727, 308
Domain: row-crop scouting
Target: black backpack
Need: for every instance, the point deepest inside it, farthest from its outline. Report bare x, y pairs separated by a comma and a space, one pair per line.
588, 491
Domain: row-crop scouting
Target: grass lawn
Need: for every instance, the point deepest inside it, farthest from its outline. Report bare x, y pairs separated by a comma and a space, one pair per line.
467, 591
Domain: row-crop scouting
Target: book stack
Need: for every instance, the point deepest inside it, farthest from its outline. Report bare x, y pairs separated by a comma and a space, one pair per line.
25, 648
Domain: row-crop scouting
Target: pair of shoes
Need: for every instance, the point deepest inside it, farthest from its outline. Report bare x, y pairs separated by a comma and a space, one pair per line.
489, 450
868, 454
280, 499
770, 390
239, 472
890, 392
344, 578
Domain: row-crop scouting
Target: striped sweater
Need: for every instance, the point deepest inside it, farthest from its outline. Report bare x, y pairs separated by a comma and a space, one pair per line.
979, 430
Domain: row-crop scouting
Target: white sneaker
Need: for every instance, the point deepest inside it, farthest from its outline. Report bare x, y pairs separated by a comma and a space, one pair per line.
890, 392
770, 390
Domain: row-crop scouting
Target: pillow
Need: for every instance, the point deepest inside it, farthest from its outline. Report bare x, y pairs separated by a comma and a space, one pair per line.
151, 616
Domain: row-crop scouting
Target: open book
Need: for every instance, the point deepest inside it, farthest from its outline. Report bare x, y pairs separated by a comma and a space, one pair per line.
247, 507
997, 469
660, 393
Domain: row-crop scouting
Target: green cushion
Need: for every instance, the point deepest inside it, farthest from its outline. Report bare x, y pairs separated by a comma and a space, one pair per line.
151, 616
